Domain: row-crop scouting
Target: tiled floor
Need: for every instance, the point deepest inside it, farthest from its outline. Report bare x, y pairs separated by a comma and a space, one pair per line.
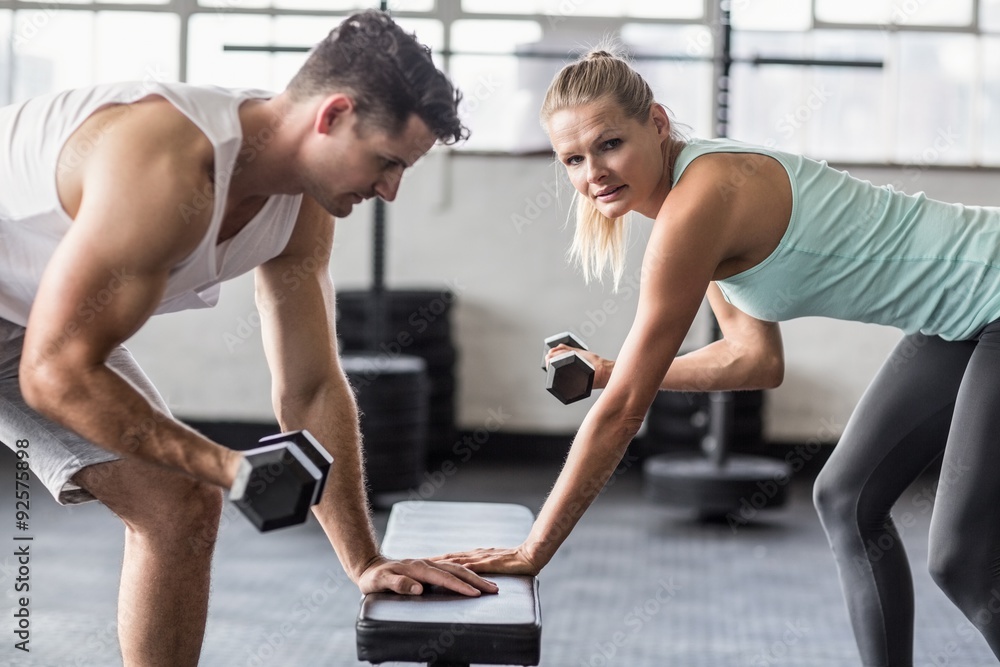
763, 595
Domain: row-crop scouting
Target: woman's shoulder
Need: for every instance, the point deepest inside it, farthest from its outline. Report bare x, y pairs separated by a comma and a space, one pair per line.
696, 147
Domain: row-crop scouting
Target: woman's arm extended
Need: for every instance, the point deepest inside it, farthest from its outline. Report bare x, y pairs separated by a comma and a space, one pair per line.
690, 239
749, 355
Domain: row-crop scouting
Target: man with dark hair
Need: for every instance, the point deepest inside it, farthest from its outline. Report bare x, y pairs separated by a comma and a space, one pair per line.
121, 202
389, 74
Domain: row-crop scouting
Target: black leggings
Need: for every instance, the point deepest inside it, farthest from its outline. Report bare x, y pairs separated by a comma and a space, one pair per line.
930, 396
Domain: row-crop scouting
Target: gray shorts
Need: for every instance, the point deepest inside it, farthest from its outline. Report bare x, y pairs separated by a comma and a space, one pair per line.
56, 453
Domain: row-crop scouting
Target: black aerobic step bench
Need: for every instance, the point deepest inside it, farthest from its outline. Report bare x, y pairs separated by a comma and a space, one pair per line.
446, 629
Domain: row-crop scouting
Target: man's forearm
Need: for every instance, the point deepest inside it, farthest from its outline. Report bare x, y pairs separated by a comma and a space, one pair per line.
331, 415
107, 410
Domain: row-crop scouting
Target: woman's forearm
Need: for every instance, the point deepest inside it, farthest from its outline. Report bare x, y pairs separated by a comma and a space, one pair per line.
597, 449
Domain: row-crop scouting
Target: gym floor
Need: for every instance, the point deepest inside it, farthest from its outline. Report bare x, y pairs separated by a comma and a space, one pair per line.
636, 585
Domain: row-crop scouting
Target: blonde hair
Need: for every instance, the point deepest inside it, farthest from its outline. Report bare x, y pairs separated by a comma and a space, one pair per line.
603, 73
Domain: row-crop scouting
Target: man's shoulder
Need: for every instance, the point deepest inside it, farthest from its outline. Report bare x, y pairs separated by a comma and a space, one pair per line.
155, 129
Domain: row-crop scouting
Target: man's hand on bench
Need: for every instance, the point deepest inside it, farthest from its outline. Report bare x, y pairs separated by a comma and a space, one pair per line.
493, 561
408, 576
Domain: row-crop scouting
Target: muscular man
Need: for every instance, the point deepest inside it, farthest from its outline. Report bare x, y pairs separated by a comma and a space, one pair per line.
119, 203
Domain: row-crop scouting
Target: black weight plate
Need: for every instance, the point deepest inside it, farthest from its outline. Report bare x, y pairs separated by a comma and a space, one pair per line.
679, 402
390, 387
442, 395
382, 364
439, 357
679, 429
395, 462
419, 320
402, 300
749, 400
400, 461
388, 382
400, 408
393, 482
391, 440
748, 426
442, 438
394, 419
354, 336
691, 481
398, 300
377, 435
386, 433
699, 423
395, 407
403, 402
685, 403
388, 391
444, 409
440, 425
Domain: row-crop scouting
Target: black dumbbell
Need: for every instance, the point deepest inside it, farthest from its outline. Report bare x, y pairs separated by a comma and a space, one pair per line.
277, 483
316, 453
569, 377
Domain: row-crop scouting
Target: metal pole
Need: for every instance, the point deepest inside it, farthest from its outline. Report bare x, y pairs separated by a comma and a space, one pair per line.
722, 405
377, 316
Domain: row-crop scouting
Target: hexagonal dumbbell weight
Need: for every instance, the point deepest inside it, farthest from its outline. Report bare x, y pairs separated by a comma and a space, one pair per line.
277, 483
316, 453
569, 377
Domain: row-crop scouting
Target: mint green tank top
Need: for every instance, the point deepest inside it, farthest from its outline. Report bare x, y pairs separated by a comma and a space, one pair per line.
860, 252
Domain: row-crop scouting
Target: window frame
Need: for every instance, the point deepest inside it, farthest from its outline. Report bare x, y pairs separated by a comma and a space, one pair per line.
450, 11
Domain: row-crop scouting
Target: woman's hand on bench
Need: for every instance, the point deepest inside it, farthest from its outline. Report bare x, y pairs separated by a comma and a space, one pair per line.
408, 576
493, 561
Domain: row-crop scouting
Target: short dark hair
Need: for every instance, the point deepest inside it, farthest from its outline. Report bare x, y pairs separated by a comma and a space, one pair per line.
387, 71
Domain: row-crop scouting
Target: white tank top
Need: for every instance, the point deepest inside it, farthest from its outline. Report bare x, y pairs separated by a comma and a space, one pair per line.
33, 222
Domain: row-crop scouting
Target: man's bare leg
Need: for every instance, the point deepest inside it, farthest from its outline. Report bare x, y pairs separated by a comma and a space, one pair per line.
171, 524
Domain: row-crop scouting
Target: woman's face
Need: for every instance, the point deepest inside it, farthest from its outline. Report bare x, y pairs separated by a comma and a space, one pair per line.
617, 162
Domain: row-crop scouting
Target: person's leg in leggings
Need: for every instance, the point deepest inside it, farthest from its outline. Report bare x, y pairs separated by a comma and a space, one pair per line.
899, 428
964, 556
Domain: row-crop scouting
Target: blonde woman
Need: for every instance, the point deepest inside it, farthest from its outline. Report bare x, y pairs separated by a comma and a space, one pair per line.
772, 236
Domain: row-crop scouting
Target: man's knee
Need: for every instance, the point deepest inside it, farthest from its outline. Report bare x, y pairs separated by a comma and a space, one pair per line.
155, 501
179, 507
184, 520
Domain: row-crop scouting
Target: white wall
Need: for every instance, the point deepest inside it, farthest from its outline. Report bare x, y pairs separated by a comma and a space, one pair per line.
490, 229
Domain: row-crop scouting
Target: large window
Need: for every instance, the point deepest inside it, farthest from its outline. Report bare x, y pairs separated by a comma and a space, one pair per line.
56, 49
935, 99
5, 53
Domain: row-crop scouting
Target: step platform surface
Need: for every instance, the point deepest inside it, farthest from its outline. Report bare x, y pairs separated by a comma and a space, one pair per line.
440, 626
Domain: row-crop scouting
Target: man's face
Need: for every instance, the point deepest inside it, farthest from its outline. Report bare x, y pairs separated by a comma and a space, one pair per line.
354, 161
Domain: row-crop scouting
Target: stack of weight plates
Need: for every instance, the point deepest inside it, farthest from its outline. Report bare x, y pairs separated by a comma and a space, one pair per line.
393, 399
418, 323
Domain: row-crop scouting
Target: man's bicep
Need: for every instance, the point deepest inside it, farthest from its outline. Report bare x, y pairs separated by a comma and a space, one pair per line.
89, 300
109, 272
